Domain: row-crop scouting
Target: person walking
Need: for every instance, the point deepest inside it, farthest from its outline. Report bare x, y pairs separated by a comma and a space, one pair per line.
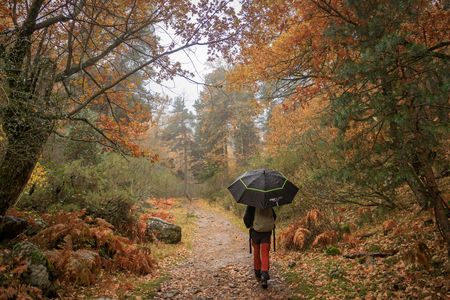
261, 223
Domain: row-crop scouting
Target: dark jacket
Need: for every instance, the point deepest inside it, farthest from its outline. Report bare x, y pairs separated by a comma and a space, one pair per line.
249, 216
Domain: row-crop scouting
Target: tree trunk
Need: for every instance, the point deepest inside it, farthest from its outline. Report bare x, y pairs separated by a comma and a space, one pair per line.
25, 129
417, 189
25, 142
426, 187
438, 204
185, 159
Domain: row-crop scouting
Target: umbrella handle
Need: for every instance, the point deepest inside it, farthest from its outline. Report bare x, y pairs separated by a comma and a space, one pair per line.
274, 239
250, 241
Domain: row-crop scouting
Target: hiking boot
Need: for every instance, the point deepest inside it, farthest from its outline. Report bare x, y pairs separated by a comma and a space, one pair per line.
258, 275
264, 278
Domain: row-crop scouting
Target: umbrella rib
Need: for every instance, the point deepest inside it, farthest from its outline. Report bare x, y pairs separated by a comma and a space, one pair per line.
264, 191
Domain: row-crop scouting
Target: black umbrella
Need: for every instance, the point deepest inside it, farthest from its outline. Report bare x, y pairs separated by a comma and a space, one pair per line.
263, 188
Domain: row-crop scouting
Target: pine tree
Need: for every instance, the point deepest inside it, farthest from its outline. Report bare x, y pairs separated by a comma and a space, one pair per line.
179, 137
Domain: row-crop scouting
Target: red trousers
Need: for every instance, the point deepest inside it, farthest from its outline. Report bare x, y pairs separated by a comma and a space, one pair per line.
261, 256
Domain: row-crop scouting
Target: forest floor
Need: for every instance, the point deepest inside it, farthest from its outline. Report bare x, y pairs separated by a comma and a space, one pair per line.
213, 262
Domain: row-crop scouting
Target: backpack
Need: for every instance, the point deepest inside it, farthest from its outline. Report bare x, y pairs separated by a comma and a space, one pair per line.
264, 220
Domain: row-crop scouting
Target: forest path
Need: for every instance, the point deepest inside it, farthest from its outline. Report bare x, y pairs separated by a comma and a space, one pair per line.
220, 266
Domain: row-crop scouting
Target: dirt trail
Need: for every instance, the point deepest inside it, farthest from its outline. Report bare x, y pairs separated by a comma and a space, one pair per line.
220, 266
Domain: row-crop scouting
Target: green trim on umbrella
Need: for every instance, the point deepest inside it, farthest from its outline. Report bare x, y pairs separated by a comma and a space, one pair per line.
263, 191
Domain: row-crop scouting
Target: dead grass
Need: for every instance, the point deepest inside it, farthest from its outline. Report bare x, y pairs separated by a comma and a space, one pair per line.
185, 218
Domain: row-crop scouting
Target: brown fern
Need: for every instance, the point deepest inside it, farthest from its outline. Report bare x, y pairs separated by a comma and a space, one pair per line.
300, 237
325, 238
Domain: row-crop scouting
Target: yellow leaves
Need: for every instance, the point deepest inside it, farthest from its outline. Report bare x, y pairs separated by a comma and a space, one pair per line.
38, 177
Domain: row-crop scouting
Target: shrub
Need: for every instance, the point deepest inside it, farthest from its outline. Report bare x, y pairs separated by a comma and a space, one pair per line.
325, 238
78, 245
344, 228
311, 230
110, 188
332, 250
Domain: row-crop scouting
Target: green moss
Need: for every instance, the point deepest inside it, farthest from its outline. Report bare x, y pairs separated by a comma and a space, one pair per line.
332, 250
300, 285
390, 261
374, 248
344, 228
148, 290
29, 252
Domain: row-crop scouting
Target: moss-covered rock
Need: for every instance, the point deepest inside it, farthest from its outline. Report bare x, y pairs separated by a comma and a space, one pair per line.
163, 231
30, 252
37, 273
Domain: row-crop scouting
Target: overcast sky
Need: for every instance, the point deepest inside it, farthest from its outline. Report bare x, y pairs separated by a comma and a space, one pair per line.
195, 61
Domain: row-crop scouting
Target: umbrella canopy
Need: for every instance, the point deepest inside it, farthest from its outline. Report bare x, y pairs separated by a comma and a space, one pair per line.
263, 188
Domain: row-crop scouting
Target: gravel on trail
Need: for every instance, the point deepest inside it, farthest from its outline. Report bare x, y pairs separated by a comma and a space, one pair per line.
220, 265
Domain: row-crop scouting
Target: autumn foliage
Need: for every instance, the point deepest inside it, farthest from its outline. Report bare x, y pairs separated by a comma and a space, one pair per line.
77, 248
312, 230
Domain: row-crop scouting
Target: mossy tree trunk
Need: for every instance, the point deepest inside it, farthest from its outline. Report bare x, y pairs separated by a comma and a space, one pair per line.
28, 86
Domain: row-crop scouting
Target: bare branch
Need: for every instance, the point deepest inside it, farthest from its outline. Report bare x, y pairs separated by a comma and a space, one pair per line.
125, 76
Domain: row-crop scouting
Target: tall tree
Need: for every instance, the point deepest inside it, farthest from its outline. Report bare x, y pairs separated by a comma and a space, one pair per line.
48, 47
179, 137
226, 126
383, 66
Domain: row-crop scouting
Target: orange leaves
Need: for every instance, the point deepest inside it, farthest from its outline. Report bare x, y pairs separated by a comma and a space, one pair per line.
310, 230
300, 237
294, 42
312, 217
5, 12
431, 25
84, 245
126, 134
325, 239
388, 225
290, 120
162, 203
77, 266
20, 269
350, 239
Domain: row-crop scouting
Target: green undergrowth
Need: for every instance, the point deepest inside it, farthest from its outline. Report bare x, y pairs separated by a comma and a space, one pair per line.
320, 276
149, 289
301, 288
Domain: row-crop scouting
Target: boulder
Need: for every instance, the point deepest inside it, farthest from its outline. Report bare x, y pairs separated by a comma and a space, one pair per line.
163, 231
37, 274
10, 227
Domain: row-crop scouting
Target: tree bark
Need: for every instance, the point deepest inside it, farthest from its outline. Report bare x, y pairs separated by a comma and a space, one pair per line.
185, 153
438, 204
426, 187
25, 143
25, 129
